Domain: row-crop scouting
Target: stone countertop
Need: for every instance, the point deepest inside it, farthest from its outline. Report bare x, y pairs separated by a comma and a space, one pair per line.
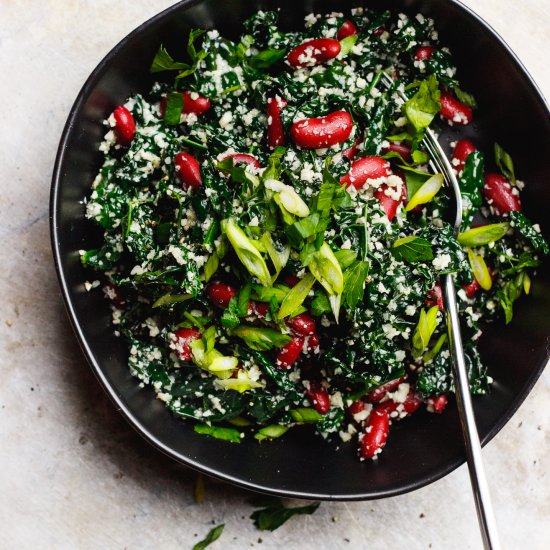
73, 474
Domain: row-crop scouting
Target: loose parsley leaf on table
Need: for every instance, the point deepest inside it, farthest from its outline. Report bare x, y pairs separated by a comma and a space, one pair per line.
275, 515
213, 534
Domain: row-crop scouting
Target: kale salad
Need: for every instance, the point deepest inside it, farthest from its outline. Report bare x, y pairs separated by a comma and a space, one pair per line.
274, 238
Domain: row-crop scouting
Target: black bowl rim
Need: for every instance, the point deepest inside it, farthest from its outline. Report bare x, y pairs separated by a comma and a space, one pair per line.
125, 411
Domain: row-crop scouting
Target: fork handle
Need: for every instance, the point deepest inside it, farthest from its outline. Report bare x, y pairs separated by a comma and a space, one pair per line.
480, 487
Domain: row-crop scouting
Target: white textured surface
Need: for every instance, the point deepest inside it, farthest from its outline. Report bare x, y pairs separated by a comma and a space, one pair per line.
72, 472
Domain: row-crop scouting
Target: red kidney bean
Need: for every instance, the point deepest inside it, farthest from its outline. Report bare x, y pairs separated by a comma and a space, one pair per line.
348, 28
375, 434
188, 170
436, 403
184, 336
400, 410
302, 324
435, 297
455, 110
320, 132
197, 106
356, 407
463, 149
125, 125
350, 152
364, 169
380, 392
379, 31
319, 398
260, 309
498, 192
275, 130
314, 52
291, 280
243, 158
389, 204
401, 149
288, 355
471, 288
312, 343
220, 293
423, 53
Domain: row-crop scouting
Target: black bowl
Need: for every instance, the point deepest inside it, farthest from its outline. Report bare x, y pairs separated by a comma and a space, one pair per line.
421, 449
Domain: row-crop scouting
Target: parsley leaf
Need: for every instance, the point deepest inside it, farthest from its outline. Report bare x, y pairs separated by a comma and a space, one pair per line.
466, 98
163, 62
174, 107
414, 179
230, 317
345, 257
354, 283
320, 304
412, 249
237, 307
509, 294
266, 58
505, 163
213, 534
274, 516
421, 109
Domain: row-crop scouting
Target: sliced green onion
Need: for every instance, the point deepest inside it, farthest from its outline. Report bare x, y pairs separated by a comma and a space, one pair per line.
325, 268
526, 283
222, 363
288, 198
429, 355
248, 254
262, 338
227, 434
278, 257
346, 45
426, 326
427, 191
305, 415
169, 299
240, 422
211, 266
271, 432
485, 234
240, 384
480, 270
294, 299
335, 301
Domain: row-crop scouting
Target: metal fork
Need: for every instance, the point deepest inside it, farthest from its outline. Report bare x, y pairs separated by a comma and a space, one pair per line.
439, 163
